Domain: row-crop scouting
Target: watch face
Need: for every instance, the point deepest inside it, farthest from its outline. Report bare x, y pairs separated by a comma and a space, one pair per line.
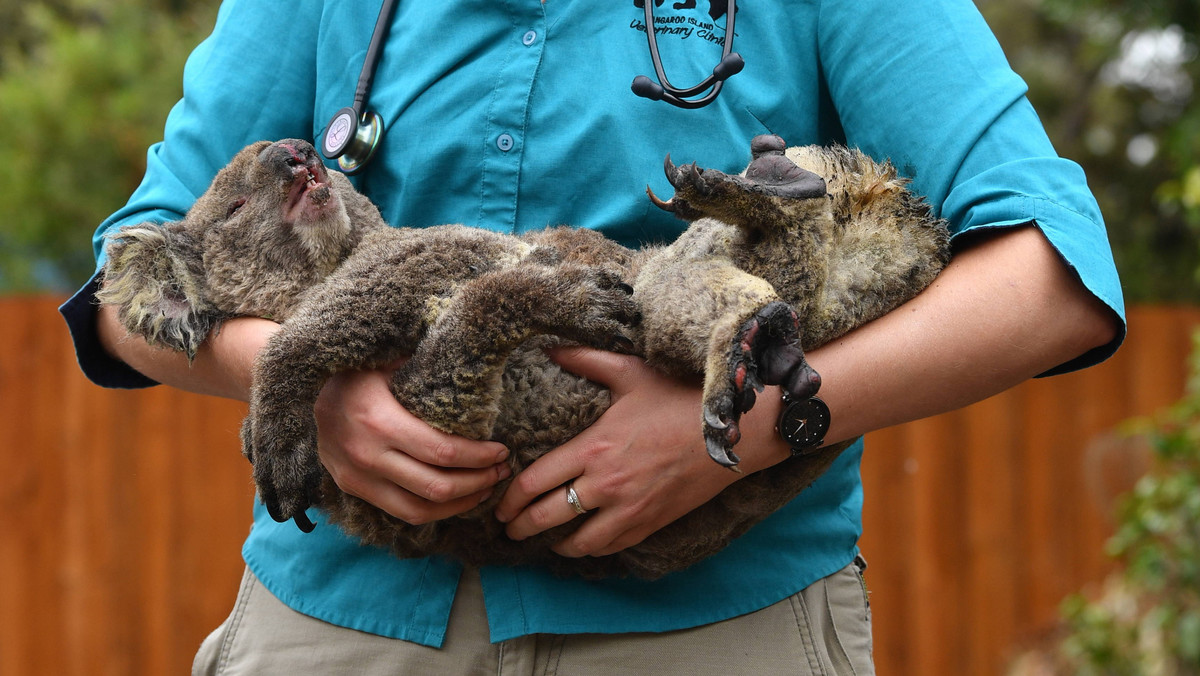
803, 423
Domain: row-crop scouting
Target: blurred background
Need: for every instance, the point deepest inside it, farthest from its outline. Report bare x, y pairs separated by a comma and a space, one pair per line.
1054, 529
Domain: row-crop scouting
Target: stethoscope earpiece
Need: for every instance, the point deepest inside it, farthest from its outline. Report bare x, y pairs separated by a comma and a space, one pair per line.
731, 64
647, 88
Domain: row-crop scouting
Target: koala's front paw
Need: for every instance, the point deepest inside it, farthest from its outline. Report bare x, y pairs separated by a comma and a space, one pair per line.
150, 277
287, 469
597, 308
765, 351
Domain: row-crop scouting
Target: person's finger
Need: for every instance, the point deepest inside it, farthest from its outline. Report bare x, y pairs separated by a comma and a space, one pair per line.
417, 439
550, 510
607, 368
431, 482
606, 532
576, 546
362, 404
615, 529
405, 505
549, 472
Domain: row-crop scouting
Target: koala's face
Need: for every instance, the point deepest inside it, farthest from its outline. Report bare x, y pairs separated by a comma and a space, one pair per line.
272, 186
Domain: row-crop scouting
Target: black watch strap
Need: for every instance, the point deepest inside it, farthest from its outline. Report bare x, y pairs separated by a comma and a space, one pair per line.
803, 423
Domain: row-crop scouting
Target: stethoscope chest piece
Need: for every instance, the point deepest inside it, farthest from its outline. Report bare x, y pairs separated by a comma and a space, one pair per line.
351, 137
352, 140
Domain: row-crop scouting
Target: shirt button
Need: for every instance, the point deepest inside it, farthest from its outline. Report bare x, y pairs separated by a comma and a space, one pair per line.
529, 38
505, 142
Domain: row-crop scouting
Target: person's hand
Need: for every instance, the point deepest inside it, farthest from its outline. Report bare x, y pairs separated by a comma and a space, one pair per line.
642, 465
378, 451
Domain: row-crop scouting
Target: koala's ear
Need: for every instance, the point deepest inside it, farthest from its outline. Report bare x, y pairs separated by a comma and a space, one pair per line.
154, 276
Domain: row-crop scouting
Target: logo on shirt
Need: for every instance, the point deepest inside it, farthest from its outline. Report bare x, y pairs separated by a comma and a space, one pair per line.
687, 22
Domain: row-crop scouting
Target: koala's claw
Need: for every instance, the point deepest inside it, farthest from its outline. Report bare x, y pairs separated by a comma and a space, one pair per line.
765, 351
291, 507
286, 470
303, 523
692, 176
600, 311
280, 513
719, 438
623, 344
770, 177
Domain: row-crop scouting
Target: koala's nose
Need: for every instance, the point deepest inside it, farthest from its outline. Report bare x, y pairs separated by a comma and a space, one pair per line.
290, 158
297, 152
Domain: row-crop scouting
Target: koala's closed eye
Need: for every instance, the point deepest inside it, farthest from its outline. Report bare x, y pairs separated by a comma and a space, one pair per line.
234, 206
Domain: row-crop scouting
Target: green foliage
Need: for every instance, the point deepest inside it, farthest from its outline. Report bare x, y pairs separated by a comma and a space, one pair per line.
17, 33
86, 84
80, 105
1147, 621
1136, 131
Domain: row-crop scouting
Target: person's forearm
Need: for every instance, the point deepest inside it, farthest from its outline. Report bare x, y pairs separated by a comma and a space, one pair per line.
222, 366
1006, 309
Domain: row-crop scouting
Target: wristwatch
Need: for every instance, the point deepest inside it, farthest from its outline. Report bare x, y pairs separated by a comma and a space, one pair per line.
803, 423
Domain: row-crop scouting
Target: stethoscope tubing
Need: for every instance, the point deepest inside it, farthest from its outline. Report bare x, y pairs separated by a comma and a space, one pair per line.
378, 37
712, 81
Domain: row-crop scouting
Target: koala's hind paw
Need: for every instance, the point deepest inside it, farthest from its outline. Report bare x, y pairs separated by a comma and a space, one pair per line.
765, 351
599, 309
757, 197
287, 470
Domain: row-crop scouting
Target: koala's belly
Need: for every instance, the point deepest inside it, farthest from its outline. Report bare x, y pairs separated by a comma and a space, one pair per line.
542, 405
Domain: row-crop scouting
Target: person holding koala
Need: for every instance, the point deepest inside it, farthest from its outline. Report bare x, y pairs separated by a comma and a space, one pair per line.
498, 126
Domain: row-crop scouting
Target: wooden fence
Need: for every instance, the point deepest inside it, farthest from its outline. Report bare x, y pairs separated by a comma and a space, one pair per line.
125, 511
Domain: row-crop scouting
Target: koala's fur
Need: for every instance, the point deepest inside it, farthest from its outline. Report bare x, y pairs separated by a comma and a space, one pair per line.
799, 249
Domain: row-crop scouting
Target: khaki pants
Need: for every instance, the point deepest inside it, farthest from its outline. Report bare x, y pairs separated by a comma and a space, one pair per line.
824, 629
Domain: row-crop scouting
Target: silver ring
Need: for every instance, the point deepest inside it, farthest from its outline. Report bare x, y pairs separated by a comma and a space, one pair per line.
573, 498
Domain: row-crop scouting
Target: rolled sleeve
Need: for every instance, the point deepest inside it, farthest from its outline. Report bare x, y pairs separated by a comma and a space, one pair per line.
100, 368
1052, 193
950, 113
80, 309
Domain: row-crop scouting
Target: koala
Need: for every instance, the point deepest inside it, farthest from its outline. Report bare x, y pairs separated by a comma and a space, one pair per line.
804, 245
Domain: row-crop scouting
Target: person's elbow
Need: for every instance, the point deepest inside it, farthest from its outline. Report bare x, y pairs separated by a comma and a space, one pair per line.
1069, 316
1082, 321
1098, 325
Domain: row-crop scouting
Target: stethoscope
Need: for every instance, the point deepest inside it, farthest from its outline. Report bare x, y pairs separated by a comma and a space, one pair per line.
353, 133
731, 64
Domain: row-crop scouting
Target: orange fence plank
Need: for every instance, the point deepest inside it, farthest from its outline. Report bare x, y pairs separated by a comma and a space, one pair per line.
127, 509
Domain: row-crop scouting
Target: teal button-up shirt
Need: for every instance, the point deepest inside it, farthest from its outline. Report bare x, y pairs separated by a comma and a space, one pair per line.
518, 115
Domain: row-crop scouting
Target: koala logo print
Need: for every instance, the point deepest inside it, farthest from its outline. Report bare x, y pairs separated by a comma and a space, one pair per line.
686, 22
716, 8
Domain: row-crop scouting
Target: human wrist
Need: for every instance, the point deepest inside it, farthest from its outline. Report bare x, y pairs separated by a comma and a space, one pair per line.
229, 353
222, 366
803, 423
761, 446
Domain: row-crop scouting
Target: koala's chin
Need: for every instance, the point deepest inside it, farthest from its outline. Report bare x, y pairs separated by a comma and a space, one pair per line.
322, 220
